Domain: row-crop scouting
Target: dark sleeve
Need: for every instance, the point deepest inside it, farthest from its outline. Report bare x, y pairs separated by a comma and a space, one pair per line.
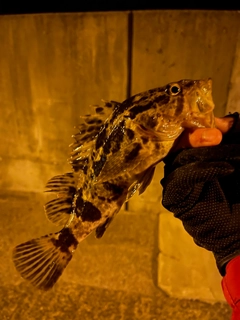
201, 186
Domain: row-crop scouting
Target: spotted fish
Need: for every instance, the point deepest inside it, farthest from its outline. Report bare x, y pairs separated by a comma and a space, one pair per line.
114, 155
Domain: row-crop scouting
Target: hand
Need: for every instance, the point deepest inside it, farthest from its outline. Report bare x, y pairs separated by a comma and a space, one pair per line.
204, 137
201, 187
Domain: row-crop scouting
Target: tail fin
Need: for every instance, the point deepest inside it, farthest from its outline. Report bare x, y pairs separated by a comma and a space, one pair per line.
42, 261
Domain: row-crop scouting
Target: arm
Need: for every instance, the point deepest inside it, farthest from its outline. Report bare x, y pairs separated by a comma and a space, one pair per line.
202, 189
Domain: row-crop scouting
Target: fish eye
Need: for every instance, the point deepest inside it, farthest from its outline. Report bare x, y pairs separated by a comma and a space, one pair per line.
174, 89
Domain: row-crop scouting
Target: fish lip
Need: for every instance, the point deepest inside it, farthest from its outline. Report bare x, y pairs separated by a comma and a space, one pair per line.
207, 120
199, 120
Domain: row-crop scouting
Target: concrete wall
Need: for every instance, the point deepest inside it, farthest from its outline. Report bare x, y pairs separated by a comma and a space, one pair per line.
233, 104
52, 67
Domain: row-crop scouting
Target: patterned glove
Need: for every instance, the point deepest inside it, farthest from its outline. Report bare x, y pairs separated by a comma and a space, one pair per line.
201, 186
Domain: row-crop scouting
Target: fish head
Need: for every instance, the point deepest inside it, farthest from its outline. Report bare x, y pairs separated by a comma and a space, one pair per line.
168, 110
197, 105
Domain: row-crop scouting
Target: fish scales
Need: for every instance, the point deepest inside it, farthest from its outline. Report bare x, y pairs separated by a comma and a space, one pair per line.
114, 155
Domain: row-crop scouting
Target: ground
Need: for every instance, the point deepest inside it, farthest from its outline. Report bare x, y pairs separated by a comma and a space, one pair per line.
115, 280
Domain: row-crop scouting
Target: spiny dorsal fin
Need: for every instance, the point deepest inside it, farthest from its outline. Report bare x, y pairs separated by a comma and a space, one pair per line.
86, 136
58, 210
80, 156
91, 123
42, 261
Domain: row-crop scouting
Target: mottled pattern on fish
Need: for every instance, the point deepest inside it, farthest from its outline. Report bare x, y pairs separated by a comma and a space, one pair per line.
114, 155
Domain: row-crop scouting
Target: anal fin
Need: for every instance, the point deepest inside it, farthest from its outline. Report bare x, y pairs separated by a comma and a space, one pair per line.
100, 230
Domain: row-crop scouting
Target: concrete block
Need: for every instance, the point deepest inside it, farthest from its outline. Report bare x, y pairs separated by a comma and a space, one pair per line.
185, 270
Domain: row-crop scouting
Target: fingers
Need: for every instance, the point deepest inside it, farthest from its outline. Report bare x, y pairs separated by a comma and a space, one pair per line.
198, 138
204, 137
224, 124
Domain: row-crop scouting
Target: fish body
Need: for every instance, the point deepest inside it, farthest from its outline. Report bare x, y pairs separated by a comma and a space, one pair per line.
114, 155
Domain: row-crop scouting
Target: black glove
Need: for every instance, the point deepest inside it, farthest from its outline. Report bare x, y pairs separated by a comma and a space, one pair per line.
201, 186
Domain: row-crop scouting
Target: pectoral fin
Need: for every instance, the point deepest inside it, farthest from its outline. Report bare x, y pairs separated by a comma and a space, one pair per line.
142, 182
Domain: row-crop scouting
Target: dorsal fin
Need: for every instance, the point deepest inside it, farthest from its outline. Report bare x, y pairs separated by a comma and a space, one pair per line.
62, 184
59, 210
80, 156
91, 123
87, 133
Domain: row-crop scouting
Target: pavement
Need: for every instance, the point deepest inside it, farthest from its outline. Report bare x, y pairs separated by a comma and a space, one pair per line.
113, 278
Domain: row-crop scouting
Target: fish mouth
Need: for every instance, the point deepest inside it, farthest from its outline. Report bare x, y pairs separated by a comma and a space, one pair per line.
201, 111
199, 120
206, 120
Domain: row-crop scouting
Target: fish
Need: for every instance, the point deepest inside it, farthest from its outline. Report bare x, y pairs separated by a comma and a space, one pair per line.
114, 154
